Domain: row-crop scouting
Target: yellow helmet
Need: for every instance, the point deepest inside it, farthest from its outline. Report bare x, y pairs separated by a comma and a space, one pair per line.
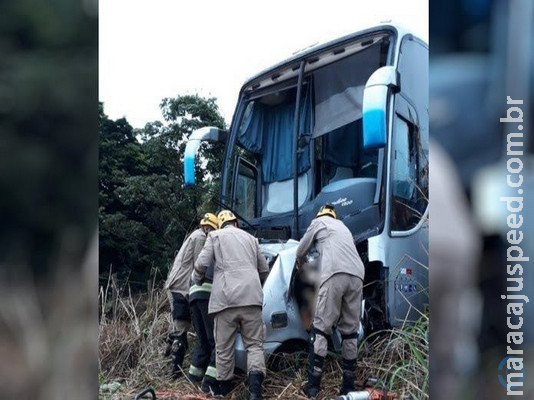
225, 216
210, 219
327, 209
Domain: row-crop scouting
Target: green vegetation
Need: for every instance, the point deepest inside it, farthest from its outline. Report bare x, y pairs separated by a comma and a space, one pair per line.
144, 210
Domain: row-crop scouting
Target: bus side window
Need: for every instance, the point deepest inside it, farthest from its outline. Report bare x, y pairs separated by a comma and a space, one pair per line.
409, 177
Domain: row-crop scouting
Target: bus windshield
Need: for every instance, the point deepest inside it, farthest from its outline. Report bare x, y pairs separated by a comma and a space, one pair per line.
330, 116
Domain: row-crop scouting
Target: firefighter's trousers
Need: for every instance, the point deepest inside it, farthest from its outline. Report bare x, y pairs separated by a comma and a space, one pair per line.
249, 321
338, 302
180, 313
203, 358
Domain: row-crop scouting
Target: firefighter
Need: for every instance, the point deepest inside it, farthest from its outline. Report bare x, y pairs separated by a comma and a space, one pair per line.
177, 285
339, 296
236, 300
202, 366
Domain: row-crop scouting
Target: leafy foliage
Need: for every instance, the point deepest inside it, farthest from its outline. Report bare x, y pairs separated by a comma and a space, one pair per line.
145, 211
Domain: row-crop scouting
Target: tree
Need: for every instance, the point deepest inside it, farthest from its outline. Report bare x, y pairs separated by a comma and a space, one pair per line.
145, 211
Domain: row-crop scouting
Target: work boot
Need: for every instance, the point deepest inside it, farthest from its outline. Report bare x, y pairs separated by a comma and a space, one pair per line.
347, 384
255, 381
315, 372
349, 376
179, 348
224, 387
313, 386
209, 385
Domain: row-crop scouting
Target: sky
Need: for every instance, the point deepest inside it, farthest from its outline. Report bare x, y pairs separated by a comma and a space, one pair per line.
153, 49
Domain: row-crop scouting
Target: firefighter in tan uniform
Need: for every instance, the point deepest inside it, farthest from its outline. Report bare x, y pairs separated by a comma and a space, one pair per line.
339, 295
236, 300
177, 285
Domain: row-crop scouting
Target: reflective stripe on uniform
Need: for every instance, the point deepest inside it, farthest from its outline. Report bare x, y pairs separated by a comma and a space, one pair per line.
211, 371
196, 371
205, 287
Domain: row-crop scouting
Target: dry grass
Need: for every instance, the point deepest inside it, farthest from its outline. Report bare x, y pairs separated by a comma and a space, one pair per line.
398, 360
132, 343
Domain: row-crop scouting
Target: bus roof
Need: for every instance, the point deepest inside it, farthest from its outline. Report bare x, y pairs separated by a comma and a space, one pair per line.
254, 82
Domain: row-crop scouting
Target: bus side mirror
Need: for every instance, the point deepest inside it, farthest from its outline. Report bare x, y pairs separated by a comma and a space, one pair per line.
374, 108
210, 134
